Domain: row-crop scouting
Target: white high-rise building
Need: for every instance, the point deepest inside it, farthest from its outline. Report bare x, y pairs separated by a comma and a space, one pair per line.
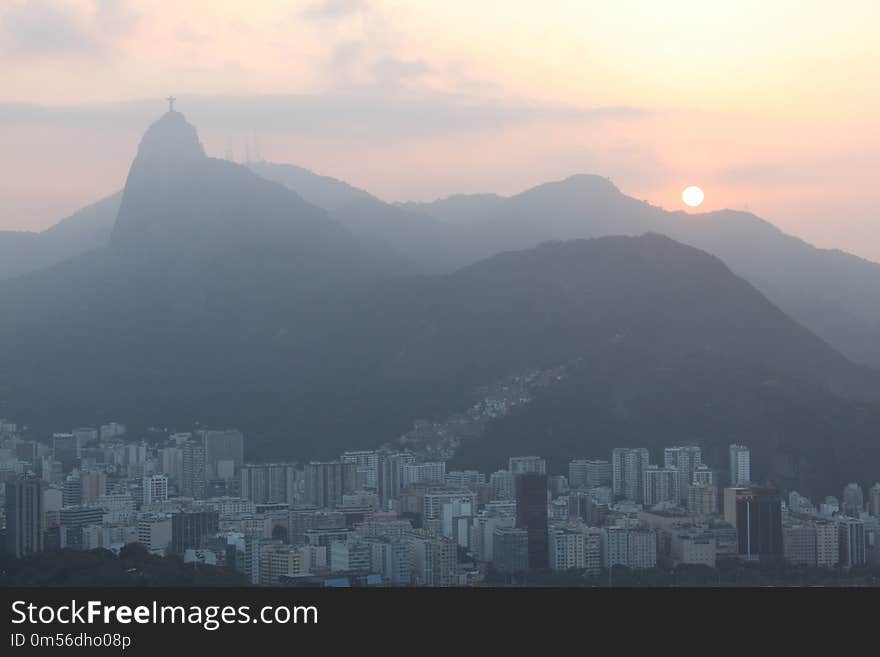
155, 489
628, 465
629, 546
740, 466
575, 546
660, 485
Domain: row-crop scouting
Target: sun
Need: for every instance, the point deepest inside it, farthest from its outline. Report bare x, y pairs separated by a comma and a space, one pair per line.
692, 196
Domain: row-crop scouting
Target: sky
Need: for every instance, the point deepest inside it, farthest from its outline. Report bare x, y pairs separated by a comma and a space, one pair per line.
770, 106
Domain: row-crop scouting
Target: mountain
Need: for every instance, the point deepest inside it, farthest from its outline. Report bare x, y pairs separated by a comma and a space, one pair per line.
86, 229
800, 437
207, 265
323, 191
227, 299
427, 244
835, 294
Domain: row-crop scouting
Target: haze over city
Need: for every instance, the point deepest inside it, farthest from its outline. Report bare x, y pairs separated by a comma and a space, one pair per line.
768, 107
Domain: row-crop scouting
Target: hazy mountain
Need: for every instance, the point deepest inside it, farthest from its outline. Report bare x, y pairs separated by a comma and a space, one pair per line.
429, 245
184, 304
800, 437
323, 191
176, 331
86, 229
835, 294
459, 209
227, 299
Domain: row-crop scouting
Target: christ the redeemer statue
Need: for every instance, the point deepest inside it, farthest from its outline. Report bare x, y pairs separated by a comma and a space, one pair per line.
171, 100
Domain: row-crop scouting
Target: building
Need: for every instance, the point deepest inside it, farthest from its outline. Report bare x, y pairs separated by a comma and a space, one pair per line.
276, 560
415, 474
327, 481
464, 478
740, 466
434, 559
390, 475
759, 523
367, 463
633, 547
531, 514
628, 465
190, 528
693, 547
24, 517
93, 485
483, 528
851, 535
72, 490
501, 485
729, 503
575, 546
155, 489
451, 512
702, 499
799, 544
684, 460
827, 544
660, 485
510, 551
154, 533
269, 483
585, 473
527, 465
874, 500
224, 453
393, 558
194, 483
853, 500
111, 430
703, 476
350, 555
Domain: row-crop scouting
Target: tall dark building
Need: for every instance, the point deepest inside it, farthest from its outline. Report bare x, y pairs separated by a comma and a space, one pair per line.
759, 522
531, 515
195, 480
24, 517
66, 451
189, 529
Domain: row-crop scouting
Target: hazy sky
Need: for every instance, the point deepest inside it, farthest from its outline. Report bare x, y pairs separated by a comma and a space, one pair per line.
768, 105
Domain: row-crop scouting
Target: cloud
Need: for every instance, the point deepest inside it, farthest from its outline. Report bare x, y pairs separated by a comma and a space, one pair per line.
53, 28
766, 174
392, 71
116, 17
334, 9
366, 113
45, 28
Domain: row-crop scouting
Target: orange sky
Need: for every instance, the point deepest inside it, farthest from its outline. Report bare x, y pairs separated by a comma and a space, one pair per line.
770, 106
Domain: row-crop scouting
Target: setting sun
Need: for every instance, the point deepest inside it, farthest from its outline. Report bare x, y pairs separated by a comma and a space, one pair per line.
692, 196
